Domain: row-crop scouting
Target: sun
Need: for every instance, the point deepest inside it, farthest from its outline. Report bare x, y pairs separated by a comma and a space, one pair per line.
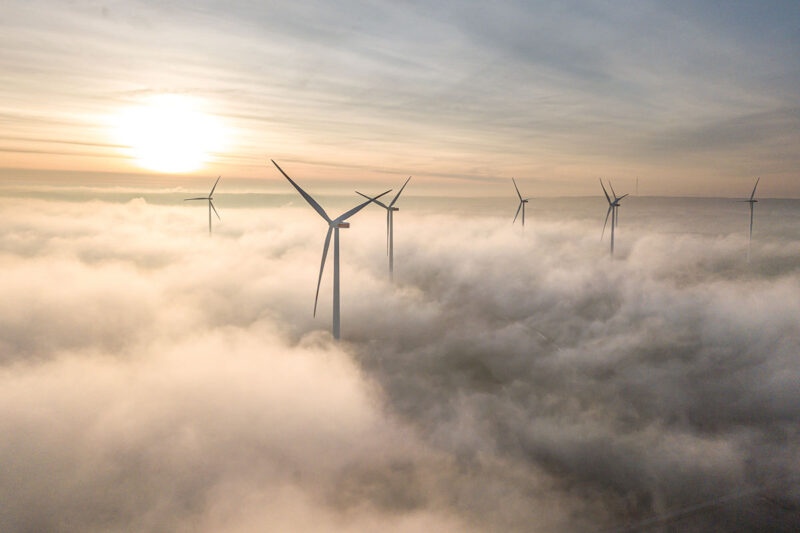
169, 133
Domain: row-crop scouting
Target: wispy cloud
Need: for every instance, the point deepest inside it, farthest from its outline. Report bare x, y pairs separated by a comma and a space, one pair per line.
565, 91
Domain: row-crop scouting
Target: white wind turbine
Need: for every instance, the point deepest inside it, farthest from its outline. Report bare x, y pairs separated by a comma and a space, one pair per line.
752, 201
522, 202
613, 205
210, 199
390, 209
333, 227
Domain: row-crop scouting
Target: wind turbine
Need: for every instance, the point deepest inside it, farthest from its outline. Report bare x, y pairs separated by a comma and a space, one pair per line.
616, 208
390, 209
210, 199
333, 227
613, 205
752, 201
522, 202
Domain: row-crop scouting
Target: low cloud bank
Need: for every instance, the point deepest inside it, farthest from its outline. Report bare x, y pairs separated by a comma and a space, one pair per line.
154, 379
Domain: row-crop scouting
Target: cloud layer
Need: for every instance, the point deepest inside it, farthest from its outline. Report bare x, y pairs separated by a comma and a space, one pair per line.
156, 380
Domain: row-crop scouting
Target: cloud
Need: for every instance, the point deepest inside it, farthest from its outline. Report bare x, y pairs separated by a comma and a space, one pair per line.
155, 379
556, 92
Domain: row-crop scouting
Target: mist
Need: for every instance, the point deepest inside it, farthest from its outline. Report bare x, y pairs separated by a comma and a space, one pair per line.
155, 379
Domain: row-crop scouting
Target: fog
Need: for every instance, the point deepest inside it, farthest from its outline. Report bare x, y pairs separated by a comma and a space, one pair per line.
155, 379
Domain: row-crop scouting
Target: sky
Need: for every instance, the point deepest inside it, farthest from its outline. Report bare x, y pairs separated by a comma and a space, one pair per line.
155, 379
693, 99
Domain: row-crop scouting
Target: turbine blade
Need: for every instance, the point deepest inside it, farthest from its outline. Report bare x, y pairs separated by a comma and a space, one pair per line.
313, 203
606, 222
604, 190
214, 208
199, 198
515, 216
517, 188
754, 188
623, 196
612, 190
322, 265
399, 192
376, 201
359, 207
214, 187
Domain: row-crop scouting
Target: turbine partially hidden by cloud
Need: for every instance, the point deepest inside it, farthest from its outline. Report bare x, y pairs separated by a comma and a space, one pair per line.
752, 201
151, 380
613, 210
522, 202
210, 199
390, 210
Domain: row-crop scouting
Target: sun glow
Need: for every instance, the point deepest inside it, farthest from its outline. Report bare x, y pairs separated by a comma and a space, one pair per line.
169, 133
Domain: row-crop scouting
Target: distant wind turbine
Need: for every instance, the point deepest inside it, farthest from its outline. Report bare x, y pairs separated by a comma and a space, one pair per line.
752, 201
613, 205
390, 209
522, 202
333, 227
210, 199
616, 208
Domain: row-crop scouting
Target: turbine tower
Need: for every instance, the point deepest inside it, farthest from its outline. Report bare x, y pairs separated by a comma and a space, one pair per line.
522, 202
210, 199
333, 227
613, 205
390, 209
752, 201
